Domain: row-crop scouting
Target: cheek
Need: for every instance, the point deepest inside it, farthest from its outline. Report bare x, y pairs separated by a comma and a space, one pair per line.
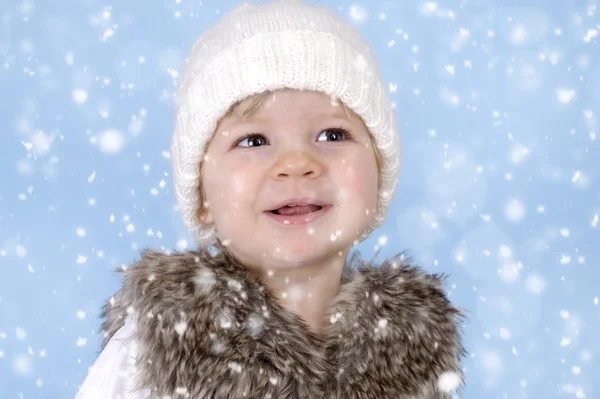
227, 187
358, 175
240, 182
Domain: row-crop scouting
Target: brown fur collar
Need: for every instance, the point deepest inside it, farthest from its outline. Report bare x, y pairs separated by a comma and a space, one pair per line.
207, 328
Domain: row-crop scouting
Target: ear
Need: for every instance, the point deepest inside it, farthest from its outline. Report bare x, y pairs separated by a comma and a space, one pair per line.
208, 219
204, 216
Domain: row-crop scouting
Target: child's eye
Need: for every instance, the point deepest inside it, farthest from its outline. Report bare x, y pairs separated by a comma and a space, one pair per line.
252, 140
336, 134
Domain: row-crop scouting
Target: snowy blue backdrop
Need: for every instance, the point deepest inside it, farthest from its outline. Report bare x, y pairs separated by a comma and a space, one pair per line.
498, 103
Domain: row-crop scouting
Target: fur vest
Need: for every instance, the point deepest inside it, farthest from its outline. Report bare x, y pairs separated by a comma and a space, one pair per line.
207, 328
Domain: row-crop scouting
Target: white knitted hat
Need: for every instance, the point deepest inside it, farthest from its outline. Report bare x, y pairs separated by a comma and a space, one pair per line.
282, 44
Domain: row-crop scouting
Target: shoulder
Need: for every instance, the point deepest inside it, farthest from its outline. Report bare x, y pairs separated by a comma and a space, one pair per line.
399, 281
406, 312
155, 281
165, 270
172, 266
113, 374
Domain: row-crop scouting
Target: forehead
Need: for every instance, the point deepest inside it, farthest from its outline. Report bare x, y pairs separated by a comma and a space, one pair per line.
285, 107
288, 103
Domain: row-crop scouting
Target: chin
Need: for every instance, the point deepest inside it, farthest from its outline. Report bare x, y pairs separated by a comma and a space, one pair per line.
308, 249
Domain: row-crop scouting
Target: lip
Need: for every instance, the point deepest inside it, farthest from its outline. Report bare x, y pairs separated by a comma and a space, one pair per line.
304, 200
295, 220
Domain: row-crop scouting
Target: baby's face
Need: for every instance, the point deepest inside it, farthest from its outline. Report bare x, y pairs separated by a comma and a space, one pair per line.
296, 149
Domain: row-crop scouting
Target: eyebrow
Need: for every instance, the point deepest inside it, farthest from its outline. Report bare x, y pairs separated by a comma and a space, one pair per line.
338, 114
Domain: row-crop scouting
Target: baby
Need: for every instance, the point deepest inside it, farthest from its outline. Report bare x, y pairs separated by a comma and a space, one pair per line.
285, 156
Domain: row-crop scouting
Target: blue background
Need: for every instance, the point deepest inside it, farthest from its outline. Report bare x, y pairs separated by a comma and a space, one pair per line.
498, 104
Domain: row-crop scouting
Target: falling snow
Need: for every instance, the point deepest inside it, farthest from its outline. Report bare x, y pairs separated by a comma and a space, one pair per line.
21, 334
20, 251
80, 96
497, 110
81, 259
565, 95
111, 141
515, 210
448, 381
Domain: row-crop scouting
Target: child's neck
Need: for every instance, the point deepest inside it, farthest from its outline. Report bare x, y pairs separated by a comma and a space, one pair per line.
308, 291
311, 300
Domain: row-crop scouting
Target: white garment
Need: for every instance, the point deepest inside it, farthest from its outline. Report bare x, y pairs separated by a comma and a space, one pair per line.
112, 375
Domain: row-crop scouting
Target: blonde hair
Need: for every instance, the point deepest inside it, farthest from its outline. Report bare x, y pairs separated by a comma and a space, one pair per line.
248, 107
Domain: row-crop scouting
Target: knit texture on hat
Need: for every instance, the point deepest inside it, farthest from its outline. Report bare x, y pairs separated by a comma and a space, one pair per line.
282, 44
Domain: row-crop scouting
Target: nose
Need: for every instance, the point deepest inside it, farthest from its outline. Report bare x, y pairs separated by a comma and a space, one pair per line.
296, 164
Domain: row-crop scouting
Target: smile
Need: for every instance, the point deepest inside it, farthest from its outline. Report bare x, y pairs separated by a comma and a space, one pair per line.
298, 219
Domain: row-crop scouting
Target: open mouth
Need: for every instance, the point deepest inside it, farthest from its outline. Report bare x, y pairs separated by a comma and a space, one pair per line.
295, 214
290, 210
